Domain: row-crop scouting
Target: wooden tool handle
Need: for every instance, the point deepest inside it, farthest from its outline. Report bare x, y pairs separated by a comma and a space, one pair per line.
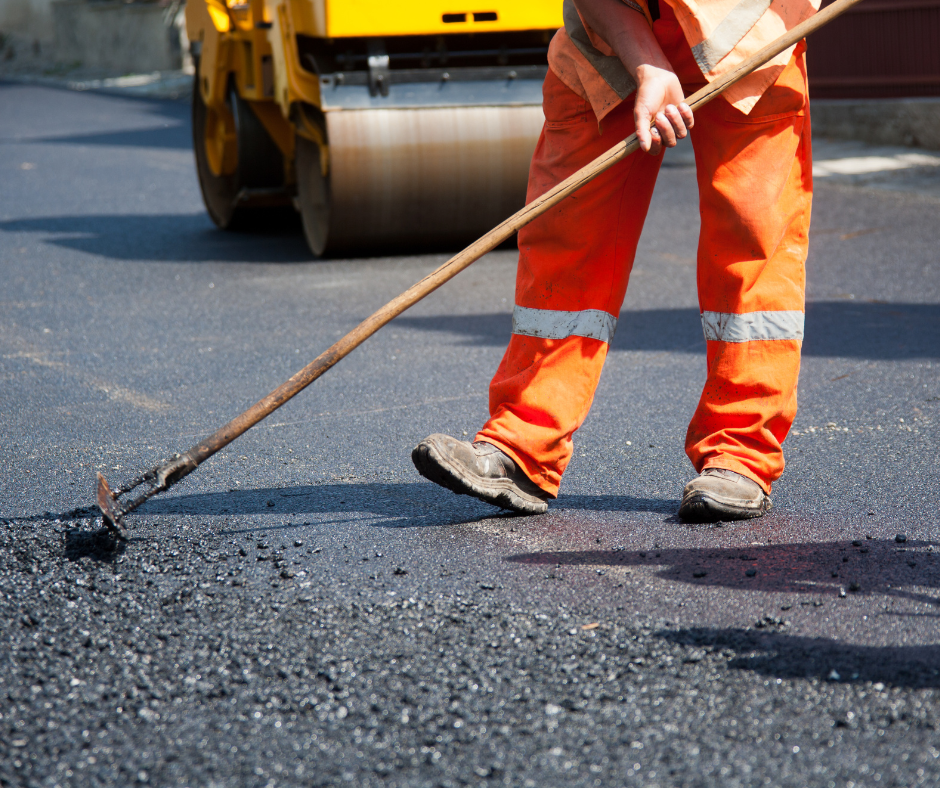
487, 243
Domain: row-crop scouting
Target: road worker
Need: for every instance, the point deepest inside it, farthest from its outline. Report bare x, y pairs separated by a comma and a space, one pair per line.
754, 171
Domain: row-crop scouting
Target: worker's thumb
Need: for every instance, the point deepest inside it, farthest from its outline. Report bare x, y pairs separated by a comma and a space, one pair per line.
643, 120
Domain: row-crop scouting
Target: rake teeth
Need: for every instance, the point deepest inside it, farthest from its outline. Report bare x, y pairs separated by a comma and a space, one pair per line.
111, 514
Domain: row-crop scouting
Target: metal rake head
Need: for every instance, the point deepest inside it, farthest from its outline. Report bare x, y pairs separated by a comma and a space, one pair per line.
157, 480
111, 513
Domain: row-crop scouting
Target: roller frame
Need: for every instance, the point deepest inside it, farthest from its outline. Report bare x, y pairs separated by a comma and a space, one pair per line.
255, 47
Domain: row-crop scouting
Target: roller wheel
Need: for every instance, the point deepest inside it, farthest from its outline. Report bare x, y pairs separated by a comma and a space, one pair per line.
313, 194
234, 154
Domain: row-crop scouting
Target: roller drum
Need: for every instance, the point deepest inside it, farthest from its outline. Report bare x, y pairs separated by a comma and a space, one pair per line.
419, 176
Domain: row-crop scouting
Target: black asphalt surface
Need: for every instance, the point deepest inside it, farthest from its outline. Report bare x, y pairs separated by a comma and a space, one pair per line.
306, 610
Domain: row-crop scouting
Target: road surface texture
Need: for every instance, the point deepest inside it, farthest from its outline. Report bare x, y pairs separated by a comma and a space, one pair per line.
306, 610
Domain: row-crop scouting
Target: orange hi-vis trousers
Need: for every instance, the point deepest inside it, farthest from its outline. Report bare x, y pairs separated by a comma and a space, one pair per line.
755, 190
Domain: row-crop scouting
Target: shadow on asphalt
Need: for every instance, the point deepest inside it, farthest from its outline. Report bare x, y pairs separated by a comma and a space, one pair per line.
403, 505
191, 237
821, 569
167, 120
99, 545
187, 237
847, 329
399, 505
778, 655
176, 136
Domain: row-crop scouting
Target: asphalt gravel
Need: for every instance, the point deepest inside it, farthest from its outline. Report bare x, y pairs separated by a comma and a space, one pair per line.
158, 664
305, 610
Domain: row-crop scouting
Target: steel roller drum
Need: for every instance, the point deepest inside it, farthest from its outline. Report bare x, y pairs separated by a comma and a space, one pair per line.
430, 164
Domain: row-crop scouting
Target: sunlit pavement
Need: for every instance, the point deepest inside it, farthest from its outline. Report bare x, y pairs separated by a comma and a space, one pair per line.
305, 610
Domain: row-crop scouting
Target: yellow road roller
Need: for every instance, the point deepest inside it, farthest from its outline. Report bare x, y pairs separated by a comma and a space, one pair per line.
384, 124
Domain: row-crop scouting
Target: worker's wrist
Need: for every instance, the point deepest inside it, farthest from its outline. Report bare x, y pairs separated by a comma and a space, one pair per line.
649, 71
636, 46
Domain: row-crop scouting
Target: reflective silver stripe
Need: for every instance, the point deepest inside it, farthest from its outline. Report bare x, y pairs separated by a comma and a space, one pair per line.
752, 326
555, 324
729, 32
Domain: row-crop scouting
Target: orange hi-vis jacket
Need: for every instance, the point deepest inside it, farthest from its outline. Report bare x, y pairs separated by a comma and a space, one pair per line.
721, 33
754, 172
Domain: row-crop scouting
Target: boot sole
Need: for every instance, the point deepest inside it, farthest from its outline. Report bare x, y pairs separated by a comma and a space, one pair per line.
504, 493
703, 508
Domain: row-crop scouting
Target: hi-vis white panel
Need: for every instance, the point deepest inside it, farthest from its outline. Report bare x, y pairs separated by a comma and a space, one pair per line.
557, 324
752, 326
728, 33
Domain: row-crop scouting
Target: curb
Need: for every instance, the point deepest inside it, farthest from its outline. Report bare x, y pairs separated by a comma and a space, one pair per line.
912, 122
175, 85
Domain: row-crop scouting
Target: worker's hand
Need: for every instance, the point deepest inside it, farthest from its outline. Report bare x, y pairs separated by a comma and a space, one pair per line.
661, 114
660, 102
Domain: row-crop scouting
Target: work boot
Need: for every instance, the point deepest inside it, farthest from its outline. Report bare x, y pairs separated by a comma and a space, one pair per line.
478, 469
720, 494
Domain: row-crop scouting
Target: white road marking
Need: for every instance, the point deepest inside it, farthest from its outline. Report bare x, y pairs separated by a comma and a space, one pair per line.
112, 390
863, 165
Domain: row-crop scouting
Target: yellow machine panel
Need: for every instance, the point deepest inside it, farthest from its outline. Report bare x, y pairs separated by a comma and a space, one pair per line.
427, 17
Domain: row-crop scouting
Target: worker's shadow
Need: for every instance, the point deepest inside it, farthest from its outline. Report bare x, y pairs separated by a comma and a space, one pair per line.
388, 505
864, 567
382, 505
819, 574
769, 651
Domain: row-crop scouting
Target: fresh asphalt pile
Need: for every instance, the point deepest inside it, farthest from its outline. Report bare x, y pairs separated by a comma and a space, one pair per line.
176, 661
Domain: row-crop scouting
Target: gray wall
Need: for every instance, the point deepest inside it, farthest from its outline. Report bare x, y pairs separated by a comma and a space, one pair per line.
910, 121
32, 18
116, 37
